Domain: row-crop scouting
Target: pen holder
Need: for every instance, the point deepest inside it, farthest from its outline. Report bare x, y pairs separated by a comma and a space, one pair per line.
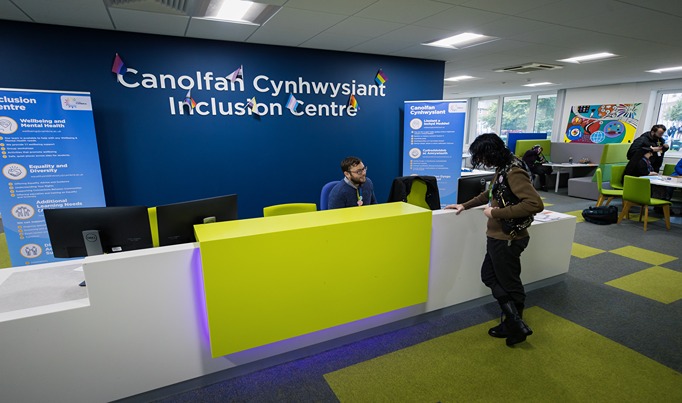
570, 160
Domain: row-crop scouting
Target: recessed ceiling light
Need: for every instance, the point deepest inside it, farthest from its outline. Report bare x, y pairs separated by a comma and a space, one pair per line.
461, 41
665, 70
459, 78
538, 84
589, 58
241, 12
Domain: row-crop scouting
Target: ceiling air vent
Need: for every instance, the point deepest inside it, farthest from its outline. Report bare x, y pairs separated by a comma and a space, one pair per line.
176, 7
528, 67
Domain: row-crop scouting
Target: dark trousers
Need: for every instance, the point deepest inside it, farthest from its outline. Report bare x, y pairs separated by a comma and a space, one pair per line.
541, 171
501, 269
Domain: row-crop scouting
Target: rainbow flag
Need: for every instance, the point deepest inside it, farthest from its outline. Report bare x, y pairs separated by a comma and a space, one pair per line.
292, 103
352, 102
239, 73
380, 78
188, 100
118, 67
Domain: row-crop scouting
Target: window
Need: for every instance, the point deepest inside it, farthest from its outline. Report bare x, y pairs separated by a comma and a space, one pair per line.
515, 111
670, 115
486, 121
544, 114
528, 113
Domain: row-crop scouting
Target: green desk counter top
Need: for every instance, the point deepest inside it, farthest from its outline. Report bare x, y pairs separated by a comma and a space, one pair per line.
273, 278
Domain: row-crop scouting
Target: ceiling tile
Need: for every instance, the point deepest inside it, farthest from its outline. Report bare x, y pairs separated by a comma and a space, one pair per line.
403, 11
334, 42
220, 30
151, 23
10, 12
82, 13
345, 7
459, 19
292, 27
363, 27
515, 7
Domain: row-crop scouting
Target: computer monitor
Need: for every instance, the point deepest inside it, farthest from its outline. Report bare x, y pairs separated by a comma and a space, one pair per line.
469, 187
87, 231
176, 221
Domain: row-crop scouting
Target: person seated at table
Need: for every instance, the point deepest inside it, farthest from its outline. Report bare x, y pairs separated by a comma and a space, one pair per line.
640, 165
356, 189
534, 159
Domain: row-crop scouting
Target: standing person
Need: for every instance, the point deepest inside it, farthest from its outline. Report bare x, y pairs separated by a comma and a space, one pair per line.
501, 268
652, 139
534, 159
356, 189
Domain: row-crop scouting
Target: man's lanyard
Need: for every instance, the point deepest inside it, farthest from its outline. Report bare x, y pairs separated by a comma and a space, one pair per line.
358, 192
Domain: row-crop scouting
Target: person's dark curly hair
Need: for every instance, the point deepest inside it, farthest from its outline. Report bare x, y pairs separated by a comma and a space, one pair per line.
489, 150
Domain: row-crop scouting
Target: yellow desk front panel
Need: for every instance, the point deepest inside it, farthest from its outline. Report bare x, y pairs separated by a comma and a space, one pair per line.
273, 278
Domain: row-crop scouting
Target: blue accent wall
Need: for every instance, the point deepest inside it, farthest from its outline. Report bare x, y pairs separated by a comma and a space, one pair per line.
151, 157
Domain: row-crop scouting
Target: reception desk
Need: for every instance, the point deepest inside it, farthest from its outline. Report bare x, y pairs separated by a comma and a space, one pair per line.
144, 322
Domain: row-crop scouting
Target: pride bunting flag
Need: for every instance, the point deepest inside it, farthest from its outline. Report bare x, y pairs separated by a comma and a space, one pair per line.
251, 104
239, 73
380, 78
352, 102
188, 100
292, 103
118, 67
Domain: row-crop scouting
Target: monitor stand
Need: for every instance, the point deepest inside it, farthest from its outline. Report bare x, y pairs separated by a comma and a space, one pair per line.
93, 245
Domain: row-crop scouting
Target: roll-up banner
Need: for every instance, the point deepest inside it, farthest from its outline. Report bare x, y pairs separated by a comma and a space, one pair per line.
433, 143
49, 160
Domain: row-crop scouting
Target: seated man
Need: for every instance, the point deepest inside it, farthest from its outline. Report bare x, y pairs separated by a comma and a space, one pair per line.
534, 159
356, 189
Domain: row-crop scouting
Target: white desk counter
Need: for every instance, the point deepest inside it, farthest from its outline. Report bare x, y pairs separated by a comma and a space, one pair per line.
143, 325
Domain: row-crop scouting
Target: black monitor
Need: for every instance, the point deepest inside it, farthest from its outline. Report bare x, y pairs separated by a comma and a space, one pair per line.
469, 187
87, 231
176, 221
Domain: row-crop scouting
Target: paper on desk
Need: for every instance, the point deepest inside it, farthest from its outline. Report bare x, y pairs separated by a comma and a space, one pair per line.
546, 216
79, 268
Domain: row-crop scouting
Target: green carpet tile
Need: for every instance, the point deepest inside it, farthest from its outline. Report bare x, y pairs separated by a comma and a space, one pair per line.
562, 361
584, 251
643, 255
657, 283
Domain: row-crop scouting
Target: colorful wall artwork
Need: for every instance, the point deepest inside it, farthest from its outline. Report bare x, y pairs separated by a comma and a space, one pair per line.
603, 124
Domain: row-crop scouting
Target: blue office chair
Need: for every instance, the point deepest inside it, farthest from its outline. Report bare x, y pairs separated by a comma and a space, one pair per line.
324, 195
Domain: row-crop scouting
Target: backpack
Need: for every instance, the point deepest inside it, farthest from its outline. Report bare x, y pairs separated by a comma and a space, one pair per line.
603, 215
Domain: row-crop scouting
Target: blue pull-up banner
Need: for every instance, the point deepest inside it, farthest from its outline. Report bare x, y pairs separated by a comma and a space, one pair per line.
433, 143
49, 160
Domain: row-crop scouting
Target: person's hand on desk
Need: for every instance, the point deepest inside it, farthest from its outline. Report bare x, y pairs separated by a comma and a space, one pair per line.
457, 207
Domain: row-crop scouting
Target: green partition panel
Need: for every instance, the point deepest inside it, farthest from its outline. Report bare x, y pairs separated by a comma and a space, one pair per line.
613, 154
273, 278
524, 145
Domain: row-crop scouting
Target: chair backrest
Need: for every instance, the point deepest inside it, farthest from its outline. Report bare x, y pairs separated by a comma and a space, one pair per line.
288, 208
417, 195
524, 145
637, 190
153, 225
668, 169
598, 175
324, 194
617, 176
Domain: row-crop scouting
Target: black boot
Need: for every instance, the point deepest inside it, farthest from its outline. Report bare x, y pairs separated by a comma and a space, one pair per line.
516, 328
500, 331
